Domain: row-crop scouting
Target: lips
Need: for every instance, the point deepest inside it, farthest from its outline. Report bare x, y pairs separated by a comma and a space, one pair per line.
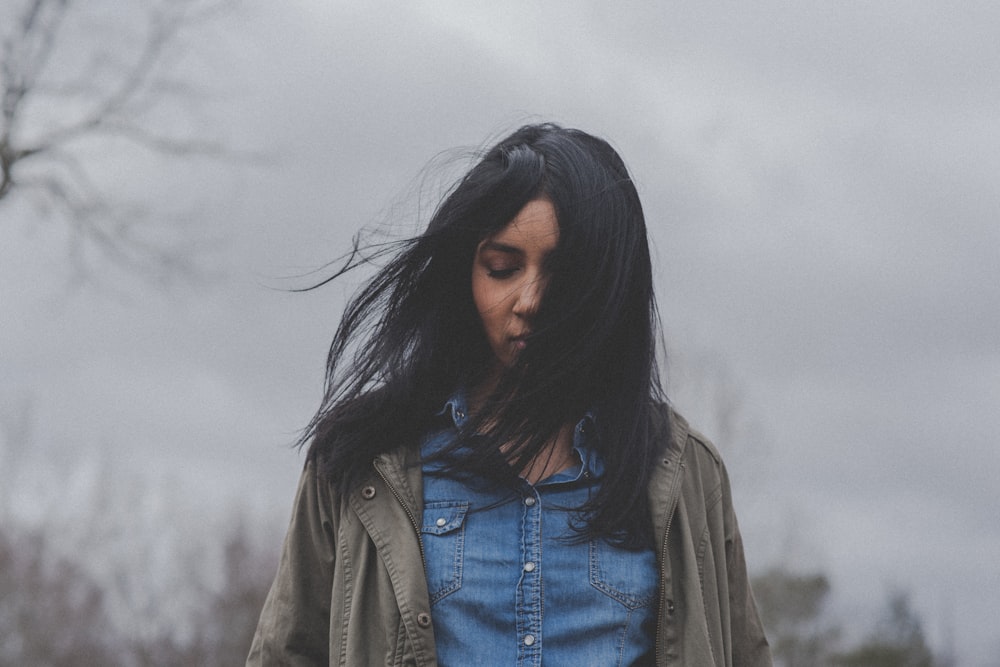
519, 341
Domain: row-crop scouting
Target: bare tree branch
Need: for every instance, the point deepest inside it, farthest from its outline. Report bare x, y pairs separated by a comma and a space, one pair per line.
26, 54
43, 155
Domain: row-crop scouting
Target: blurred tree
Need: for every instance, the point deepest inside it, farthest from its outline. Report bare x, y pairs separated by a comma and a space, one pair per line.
78, 81
898, 642
51, 613
248, 575
793, 609
232, 612
226, 623
56, 609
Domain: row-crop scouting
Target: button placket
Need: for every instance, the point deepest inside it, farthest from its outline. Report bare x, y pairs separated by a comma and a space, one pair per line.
529, 588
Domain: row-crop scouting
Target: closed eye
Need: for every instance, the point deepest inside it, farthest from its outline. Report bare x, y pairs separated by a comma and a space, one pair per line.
500, 274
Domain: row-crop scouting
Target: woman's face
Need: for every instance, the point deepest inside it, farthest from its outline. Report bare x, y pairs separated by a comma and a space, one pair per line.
508, 277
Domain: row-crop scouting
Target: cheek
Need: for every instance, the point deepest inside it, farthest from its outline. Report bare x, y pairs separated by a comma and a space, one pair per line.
485, 295
489, 300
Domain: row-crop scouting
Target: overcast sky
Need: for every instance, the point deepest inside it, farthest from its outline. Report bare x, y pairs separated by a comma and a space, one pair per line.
820, 182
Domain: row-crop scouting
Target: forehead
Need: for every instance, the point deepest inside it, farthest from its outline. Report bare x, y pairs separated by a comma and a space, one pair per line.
534, 229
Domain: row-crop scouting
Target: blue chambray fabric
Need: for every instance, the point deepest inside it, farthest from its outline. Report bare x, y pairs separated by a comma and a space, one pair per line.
507, 585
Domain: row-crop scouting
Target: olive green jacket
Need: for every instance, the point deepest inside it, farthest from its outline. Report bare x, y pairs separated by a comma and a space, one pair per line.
350, 588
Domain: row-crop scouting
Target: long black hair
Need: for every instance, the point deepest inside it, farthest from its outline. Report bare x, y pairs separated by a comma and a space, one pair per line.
411, 336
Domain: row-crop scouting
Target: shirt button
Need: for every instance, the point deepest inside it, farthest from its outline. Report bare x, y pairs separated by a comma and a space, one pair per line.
423, 619
529, 567
529, 640
368, 492
441, 522
529, 501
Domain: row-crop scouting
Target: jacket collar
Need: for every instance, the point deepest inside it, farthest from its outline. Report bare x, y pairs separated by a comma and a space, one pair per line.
400, 468
665, 480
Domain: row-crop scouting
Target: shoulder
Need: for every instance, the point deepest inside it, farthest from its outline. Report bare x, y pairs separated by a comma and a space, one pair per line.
683, 437
697, 439
704, 475
354, 428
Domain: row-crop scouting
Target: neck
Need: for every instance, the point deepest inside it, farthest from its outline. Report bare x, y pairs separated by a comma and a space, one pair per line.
557, 455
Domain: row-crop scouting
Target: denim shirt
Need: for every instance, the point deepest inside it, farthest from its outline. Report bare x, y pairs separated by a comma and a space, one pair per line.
506, 582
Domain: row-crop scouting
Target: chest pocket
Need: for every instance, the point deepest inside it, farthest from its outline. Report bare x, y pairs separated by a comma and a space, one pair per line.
443, 535
630, 577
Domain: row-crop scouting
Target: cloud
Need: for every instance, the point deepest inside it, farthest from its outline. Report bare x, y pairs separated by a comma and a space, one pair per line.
819, 181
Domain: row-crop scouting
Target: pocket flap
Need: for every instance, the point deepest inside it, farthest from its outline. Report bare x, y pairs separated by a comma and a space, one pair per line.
444, 516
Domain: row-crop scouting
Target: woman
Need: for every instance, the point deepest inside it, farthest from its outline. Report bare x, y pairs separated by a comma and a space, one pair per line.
494, 476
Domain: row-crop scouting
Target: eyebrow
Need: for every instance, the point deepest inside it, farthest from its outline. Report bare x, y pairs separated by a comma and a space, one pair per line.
501, 247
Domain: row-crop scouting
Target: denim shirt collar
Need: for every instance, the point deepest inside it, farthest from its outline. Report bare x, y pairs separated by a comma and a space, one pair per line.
591, 464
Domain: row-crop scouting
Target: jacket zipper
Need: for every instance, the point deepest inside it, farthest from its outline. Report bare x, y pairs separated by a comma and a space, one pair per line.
663, 560
406, 508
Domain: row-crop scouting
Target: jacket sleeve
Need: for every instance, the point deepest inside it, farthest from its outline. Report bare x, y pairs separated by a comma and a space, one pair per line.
750, 648
294, 625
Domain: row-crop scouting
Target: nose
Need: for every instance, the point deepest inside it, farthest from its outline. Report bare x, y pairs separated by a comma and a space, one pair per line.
529, 296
